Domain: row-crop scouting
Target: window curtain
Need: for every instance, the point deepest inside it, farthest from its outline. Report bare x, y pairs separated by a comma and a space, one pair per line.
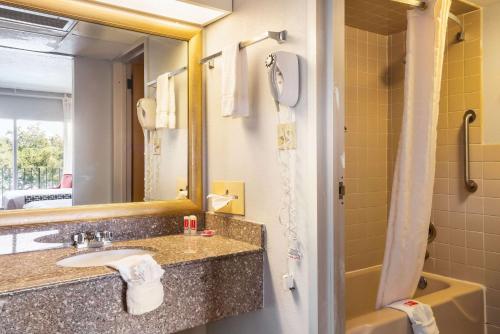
411, 198
67, 105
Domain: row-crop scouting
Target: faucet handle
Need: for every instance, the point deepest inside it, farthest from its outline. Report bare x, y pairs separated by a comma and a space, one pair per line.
80, 240
102, 236
97, 236
107, 236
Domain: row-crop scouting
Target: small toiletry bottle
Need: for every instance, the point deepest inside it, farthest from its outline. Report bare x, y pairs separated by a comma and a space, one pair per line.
193, 224
186, 225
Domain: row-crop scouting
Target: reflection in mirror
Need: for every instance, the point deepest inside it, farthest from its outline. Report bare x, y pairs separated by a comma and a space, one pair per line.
70, 130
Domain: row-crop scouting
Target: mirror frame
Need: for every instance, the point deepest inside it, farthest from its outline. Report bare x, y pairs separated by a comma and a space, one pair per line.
87, 10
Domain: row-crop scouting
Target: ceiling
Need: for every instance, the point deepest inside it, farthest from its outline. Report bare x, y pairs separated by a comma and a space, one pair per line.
484, 3
388, 17
52, 71
200, 12
35, 71
98, 41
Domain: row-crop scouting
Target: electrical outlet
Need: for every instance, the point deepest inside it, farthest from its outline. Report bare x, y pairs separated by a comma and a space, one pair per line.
287, 136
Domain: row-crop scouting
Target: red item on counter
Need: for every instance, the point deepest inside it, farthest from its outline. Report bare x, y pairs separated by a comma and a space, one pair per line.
208, 233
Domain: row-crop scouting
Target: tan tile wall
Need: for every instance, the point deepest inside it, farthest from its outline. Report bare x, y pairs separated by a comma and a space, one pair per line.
367, 136
468, 225
397, 53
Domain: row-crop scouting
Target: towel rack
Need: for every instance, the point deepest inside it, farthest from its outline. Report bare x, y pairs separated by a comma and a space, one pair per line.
278, 36
170, 74
470, 185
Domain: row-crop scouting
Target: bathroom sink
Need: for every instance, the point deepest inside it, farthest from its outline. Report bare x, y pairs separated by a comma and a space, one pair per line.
100, 258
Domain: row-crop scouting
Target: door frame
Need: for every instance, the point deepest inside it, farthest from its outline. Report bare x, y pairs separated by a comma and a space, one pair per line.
122, 128
330, 88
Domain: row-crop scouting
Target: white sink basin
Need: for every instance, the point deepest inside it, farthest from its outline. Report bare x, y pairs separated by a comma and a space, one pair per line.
100, 258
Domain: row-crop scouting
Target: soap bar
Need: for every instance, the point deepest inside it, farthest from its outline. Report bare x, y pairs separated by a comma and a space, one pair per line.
208, 233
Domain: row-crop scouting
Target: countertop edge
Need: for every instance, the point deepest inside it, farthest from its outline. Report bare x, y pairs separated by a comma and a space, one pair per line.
9, 293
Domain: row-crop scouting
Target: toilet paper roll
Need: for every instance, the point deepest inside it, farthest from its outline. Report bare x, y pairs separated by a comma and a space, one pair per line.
219, 201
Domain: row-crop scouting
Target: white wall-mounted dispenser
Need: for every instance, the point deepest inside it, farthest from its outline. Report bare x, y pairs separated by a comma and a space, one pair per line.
146, 113
283, 75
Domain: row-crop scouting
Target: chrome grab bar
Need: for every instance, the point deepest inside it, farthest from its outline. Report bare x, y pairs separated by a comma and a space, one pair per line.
471, 185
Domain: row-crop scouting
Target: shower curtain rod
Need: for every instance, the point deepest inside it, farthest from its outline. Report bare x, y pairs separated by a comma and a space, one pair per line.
423, 5
413, 3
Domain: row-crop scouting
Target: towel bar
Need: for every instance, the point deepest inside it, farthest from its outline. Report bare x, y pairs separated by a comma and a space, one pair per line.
278, 36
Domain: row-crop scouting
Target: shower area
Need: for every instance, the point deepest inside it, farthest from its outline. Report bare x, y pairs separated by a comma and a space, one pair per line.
458, 268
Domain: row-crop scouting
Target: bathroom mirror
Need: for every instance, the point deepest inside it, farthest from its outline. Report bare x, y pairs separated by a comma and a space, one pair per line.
70, 130
69, 127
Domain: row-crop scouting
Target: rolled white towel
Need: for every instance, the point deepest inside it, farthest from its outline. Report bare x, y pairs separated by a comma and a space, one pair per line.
142, 275
420, 315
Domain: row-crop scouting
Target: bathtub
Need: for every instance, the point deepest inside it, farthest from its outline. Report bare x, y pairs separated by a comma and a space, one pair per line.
457, 305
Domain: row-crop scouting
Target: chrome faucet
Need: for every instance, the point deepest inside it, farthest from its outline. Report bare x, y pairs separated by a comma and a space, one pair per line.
95, 239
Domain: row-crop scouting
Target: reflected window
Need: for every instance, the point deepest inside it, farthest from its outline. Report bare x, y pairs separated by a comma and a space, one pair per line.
40, 154
6, 154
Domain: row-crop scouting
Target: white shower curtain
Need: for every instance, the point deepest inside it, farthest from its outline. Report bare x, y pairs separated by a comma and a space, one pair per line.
411, 198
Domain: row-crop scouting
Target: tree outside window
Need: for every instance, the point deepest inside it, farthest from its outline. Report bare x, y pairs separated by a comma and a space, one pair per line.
39, 154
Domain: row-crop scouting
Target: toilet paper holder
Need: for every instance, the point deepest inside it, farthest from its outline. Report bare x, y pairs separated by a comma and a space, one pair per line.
231, 192
227, 194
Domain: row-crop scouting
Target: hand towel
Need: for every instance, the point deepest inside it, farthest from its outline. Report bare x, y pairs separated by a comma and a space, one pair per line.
142, 275
234, 82
172, 119
420, 315
165, 102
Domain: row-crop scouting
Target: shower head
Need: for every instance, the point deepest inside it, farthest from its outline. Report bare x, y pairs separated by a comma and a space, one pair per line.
460, 37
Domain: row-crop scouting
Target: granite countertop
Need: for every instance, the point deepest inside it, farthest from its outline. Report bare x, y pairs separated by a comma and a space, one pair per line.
38, 269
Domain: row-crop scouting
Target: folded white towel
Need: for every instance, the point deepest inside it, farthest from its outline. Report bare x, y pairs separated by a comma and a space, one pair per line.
420, 315
234, 82
165, 102
142, 275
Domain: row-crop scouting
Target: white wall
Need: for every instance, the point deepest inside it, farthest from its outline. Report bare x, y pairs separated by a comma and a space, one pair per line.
491, 73
166, 55
39, 109
245, 149
93, 150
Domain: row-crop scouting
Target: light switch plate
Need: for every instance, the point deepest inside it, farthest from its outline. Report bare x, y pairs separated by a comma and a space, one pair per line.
236, 188
287, 136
